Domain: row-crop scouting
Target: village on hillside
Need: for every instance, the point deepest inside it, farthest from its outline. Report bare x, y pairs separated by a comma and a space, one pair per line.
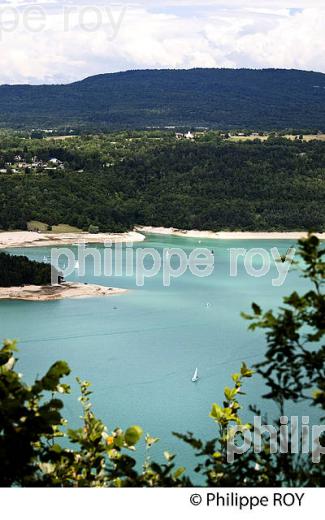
36, 165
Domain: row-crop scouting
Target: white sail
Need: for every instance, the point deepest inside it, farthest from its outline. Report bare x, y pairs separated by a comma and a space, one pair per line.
195, 376
76, 265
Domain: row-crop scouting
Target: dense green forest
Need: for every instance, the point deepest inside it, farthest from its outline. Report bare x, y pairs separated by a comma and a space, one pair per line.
118, 180
214, 98
19, 270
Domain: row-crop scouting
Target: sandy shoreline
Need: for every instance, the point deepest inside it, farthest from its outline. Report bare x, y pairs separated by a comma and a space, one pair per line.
227, 235
23, 239
33, 239
57, 292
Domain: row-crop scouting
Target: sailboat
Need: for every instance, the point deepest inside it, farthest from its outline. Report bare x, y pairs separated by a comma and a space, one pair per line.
76, 265
195, 377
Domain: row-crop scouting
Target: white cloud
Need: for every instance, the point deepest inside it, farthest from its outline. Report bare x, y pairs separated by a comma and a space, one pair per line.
156, 35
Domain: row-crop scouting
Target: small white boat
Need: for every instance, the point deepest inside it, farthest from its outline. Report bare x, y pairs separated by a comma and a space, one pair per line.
77, 265
195, 377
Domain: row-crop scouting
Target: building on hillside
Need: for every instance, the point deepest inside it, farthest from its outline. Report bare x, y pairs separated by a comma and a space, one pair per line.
188, 136
55, 161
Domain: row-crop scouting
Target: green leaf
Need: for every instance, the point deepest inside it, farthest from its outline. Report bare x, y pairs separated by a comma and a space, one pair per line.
133, 435
51, 380
216, 412
179, 472
56, 448
151, 440
245, 371
230, 393
217, 455
169, 456
257, 310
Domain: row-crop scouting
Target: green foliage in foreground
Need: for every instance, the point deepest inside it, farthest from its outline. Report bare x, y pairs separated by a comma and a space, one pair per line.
32, 424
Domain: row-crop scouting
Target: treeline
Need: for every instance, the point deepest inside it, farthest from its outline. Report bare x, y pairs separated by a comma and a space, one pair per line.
19, 270
207, 184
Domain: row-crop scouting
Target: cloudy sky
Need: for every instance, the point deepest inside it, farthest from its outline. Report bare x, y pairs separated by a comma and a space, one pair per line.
53, 41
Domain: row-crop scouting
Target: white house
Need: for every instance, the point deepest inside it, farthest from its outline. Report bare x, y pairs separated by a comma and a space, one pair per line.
55, 161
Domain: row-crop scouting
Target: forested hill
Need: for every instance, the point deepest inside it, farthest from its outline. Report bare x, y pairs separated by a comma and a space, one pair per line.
113, 182
222, 98
16, 271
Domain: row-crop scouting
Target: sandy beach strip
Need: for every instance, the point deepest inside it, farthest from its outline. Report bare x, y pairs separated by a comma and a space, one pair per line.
227, 235
33, 239
57, 292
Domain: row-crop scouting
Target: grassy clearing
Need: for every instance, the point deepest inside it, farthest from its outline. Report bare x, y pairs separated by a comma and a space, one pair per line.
239, 138
65, 228
35, 225
307, 138
60, 137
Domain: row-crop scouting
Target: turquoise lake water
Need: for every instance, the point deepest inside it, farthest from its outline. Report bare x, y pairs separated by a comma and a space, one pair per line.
140, 349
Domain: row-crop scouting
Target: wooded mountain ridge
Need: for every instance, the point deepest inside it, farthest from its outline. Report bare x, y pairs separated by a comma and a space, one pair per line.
268, 99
